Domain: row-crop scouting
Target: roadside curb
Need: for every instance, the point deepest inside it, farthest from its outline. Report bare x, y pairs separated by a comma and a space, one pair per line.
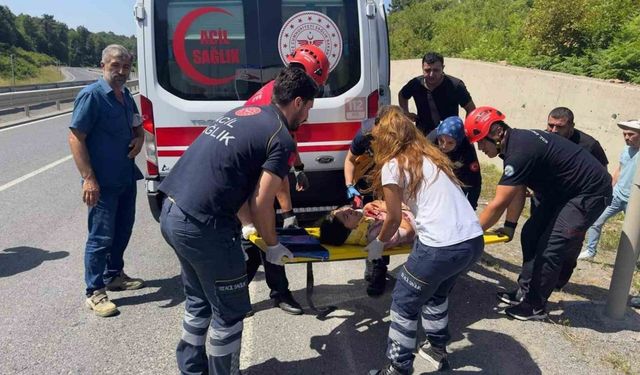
25, 120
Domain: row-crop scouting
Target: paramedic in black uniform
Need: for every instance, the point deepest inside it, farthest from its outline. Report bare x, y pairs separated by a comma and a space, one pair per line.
576, 189
240, 159
437, 95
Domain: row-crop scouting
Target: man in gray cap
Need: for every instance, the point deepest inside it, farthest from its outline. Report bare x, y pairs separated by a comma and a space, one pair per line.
622, 178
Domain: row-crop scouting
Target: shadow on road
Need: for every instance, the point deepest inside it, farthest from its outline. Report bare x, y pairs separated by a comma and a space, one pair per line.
169, 290
358, 344
19, 259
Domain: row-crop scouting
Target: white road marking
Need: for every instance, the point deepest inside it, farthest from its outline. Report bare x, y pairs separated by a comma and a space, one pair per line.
34, 173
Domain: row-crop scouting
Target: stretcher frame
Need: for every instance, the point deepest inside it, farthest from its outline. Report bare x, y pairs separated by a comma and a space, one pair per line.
343, 253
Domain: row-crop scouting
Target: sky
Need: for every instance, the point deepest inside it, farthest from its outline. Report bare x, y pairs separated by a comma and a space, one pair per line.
95, 15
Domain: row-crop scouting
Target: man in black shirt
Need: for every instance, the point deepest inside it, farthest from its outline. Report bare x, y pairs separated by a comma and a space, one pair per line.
238, 161
560, 122
436, 95
576, 189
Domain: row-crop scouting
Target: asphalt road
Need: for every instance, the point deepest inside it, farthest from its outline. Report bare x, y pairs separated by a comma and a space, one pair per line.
45, 328
79, 74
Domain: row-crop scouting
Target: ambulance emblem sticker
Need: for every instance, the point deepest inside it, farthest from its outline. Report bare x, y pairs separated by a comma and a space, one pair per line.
248, 111
311, 27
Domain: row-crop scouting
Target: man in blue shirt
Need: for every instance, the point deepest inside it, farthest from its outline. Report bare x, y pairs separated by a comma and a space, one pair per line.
105, 138
622, 178
237, 162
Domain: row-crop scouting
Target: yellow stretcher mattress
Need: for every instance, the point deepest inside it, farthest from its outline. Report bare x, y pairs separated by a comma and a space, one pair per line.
350, 252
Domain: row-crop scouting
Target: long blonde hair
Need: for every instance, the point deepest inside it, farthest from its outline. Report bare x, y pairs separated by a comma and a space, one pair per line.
396, 137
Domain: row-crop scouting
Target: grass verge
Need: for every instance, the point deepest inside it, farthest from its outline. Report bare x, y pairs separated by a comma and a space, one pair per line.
46, 74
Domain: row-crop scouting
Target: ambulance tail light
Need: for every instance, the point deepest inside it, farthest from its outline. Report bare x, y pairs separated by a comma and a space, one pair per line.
372, 104
149, 137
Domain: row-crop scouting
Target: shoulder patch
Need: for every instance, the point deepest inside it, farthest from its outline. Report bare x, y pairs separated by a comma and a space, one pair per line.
248, 111
509, 171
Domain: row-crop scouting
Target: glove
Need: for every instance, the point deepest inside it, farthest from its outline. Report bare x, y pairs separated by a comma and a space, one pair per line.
276, 252
374, 249
352, 192
290, 222
248, 230
508, 230
302, 181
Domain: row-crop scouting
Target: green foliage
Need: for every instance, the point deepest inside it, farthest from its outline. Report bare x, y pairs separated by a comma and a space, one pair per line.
39, 41
597, 38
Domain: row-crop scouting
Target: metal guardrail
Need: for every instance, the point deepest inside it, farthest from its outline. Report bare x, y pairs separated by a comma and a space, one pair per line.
44, 86
55, 95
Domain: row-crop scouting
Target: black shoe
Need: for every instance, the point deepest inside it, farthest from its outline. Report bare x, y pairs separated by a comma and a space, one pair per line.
635, 302
389, 370
525, 311
377, 282
288, 304
436, 356
513, 298
368, 268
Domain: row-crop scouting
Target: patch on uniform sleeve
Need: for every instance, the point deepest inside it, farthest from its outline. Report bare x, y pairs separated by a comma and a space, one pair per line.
474, 167
248, 111
509, 171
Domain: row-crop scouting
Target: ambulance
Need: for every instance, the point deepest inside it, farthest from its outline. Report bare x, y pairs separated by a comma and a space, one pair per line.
200, 59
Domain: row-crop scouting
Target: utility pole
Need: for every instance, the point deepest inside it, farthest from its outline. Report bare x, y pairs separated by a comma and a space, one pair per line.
627, 256
13, 71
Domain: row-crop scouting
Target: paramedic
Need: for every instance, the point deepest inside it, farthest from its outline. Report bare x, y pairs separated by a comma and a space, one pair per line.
316, 65
241, 158
576, 189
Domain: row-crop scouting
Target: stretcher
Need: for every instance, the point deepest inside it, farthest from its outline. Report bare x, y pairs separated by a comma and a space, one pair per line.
314, 252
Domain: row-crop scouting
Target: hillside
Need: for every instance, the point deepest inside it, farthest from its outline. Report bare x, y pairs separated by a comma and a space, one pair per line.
38, 42
595, 38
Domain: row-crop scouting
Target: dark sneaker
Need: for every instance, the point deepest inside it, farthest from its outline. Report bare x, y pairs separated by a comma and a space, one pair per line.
389, 370
436, 356
124, 282
635, 302
377, 281
288, 304
525, 311
368, 268
512, 298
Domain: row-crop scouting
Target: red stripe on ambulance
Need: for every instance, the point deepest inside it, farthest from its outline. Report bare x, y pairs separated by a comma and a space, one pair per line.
336, 131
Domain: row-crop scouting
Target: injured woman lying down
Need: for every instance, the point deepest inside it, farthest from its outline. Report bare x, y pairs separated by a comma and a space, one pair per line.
349, 226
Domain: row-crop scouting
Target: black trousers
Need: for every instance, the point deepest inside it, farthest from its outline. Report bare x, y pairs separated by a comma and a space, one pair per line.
274, 274
551, 241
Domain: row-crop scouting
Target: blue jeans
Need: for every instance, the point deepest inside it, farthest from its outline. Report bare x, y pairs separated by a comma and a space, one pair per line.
110, 224
422, 289
215, 286
593, 234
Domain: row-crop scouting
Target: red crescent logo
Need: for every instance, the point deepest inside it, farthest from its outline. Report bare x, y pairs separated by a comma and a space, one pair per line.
181, 54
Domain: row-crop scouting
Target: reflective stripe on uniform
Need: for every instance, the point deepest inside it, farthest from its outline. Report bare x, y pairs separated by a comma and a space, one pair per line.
224, 340
405, 323
435, 325
197, 322
433, 310
400, 338
193, 339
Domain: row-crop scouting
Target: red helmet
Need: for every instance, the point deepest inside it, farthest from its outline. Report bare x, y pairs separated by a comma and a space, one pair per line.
479, 121
313, 60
